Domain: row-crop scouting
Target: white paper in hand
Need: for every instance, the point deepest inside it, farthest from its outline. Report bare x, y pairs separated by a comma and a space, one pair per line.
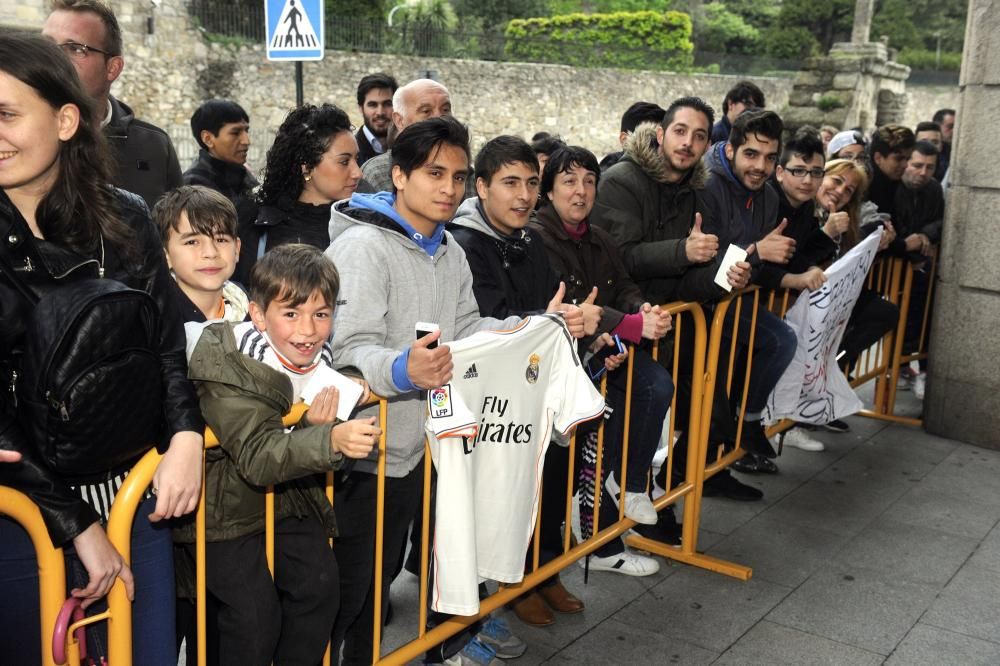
350, 391
734, 254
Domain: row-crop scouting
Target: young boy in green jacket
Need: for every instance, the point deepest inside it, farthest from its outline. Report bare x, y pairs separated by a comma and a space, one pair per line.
248, 375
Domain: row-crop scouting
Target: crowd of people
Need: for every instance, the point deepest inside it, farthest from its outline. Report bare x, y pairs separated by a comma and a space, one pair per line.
329, 258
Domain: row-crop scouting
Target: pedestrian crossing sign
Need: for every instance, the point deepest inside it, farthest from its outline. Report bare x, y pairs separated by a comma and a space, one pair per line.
294, 29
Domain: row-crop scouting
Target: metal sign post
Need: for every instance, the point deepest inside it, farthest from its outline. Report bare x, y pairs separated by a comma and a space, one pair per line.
295, 32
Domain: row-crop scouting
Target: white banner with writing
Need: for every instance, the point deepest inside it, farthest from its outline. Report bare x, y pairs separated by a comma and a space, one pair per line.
813, 389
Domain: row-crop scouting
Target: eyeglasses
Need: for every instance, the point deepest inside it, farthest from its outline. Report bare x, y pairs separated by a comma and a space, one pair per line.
802, 172
81, 51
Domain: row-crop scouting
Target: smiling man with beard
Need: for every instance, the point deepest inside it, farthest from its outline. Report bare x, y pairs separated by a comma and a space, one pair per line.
741, 208
650, 203
375, 93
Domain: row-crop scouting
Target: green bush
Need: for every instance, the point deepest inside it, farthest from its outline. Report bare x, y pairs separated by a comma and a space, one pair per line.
790, 43
636, 40
924, 59
723, 31
829, 103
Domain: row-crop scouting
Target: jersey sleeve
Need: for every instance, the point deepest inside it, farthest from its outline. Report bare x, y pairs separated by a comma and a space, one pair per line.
578, 401
447, 414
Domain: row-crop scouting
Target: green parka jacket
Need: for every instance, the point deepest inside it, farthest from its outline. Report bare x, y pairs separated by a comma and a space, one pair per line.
243, 401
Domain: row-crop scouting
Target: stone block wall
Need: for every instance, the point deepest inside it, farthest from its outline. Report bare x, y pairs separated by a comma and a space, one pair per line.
171, 70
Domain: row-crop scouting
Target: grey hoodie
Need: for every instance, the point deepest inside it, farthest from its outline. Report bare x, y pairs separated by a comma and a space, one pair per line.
387, 285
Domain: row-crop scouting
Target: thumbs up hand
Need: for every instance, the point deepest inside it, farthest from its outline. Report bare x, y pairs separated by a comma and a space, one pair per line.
591, 313
572, 315
699, 246
776, 247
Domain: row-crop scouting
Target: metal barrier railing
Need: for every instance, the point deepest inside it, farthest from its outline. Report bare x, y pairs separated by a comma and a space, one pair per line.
892, 278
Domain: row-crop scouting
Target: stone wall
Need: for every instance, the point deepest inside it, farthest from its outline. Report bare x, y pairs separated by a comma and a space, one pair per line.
170, 71
963, 386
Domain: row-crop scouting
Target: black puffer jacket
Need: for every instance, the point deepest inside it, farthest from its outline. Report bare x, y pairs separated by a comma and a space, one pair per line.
650, 219
42, 266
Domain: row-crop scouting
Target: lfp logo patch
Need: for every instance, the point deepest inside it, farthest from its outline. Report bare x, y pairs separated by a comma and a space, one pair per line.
440, 401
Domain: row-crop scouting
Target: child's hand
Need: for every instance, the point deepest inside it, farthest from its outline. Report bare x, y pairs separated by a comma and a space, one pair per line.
355, 438
366, 393
323, 409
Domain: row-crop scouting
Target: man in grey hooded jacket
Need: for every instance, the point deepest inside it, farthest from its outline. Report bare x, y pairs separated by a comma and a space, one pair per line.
398, 266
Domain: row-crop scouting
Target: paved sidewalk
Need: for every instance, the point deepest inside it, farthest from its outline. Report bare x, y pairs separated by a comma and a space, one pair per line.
885, 548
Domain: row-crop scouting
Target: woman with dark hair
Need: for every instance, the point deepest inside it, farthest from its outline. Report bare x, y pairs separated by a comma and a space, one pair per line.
63, 225
312, 163
586, 257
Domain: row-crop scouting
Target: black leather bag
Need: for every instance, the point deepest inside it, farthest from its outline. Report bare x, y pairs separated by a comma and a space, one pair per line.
90, 373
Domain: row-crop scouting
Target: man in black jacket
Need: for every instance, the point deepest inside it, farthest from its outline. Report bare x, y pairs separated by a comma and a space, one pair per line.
375, 93
744, 95
222, 129
740, 207
145, 160
649, 202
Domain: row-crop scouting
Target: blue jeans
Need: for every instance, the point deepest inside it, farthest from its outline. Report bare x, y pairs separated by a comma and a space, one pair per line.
652, 391
152, 611
773, 350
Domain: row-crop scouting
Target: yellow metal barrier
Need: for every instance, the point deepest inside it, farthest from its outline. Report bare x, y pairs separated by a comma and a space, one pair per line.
689, 489
51, 565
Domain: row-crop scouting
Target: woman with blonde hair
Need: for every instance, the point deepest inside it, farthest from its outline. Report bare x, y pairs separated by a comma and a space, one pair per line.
839, 203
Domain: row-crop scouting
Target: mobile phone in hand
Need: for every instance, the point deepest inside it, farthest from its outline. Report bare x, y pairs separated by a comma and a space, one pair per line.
423, 328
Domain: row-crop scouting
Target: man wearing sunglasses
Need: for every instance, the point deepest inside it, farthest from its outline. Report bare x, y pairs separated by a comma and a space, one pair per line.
88, 33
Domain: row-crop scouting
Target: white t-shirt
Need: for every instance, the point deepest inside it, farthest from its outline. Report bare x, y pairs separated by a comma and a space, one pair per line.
488, 431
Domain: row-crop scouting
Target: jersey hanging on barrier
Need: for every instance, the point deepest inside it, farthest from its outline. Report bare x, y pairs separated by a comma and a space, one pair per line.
488, 431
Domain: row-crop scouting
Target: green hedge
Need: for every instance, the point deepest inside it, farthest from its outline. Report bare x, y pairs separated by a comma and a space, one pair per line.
635, 40
924, 60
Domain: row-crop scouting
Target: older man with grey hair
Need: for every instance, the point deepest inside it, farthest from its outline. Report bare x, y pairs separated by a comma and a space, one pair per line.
417, 100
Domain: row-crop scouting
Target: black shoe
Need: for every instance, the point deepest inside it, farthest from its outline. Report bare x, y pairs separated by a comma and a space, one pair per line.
837, 425
754, 463
725, 485
755, 440
666, 530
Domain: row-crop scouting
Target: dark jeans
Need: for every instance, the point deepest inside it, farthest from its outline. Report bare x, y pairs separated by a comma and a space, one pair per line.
355, 547
652, 391
152, 610
287, 619
871, 318
773, 350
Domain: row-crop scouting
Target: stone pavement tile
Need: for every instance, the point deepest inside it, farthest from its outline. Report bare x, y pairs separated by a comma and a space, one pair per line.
863, 608
869, 469
912, 443
970, 472
604, 595
842, 505
930, 646
770, 643
907, 552
617, 642
987, 556
708, 609
947, 511
778, 551
970, 604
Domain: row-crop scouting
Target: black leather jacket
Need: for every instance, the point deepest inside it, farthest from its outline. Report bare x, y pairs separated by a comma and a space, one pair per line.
41, 266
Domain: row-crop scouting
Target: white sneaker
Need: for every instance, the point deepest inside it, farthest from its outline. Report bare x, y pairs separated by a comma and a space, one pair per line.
627, 562
919, 384
638, 506
797, 438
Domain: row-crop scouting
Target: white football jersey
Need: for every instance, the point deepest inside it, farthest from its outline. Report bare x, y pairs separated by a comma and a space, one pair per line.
488, 431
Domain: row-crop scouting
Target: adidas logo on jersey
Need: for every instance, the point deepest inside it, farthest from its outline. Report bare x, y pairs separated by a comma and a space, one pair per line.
471, 372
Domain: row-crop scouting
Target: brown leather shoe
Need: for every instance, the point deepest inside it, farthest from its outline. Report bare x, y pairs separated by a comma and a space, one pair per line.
530, 609
560, 598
